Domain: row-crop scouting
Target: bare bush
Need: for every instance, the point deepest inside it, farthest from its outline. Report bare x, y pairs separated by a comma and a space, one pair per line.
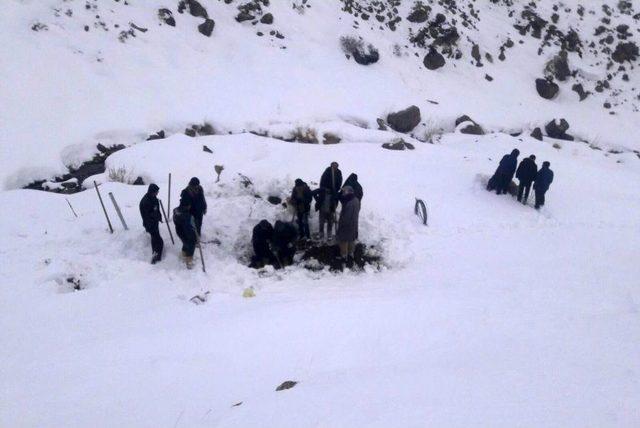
305, 135
121, 175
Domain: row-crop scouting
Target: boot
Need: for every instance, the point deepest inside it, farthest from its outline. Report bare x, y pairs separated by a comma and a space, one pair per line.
189, 261
155, 258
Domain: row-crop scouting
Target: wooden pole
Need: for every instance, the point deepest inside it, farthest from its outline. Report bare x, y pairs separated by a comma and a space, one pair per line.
103, 208
200, 249
115, 204
169, 197
166, 221
72, 210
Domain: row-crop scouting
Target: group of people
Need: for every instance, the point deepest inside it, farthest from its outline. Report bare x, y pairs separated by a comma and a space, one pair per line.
275, 245
187, 219
527, 174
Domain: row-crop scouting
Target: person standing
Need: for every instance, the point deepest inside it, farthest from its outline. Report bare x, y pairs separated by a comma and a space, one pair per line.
183, 221
324, 204
301, 199
347, 231
352, 181
332, 179
525, 174
544, 178
151, 218
504, 174
193, 195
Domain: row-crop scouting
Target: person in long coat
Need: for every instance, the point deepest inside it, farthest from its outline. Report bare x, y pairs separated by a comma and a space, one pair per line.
525, 174
544, 178
504, 173
193, 195
347, 232
151, 217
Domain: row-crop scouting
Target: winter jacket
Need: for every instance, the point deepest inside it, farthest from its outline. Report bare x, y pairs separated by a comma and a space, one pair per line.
194, 196
331, 181
544, 178
508, 165
284, 235
348, 222
352, 181
262, 234
150, 211
324, 202
301, 198
527, 171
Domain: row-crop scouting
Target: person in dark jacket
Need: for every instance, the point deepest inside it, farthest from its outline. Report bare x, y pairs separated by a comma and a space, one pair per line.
260, 239
332, 179
347, 232
504, 174
193, 195
352, 181
151, 218
325, 208
284, 238
525, 174
185, 229
544, 178
301, 198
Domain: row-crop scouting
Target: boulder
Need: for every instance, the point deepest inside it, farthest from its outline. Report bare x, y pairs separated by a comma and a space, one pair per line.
537, 134
195, 8
370, 56
398, 145
433, 60
267, 19
244, 16
157, 136
329, 138
558, 67
206, 28
547, 89
579, 89
466, 125
418, 15
627, 51
404, 120
166, 16
558, 129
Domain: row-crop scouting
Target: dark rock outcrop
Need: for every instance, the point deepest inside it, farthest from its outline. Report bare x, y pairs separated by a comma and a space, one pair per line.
433, 60
206, 28
558, 129
537, 134
404, 120
547, 89
398, 145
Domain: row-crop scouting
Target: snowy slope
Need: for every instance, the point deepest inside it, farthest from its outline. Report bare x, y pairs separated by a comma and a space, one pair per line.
494, 315
74, 81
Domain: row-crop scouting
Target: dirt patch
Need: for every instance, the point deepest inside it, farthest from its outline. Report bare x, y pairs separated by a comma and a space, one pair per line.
316, 256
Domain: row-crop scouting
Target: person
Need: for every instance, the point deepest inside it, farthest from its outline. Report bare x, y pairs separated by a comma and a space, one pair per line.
525, 174
183, 221
262, 235
504, 174
347, 232
301, 198
284, 237
194, 197
324, 206
332, 179
151, 218
352, 181
544, 178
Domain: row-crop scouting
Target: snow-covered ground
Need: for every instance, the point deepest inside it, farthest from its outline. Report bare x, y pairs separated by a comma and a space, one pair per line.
494, 315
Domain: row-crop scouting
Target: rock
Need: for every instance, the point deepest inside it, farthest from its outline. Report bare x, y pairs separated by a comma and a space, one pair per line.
244, 16
267, 19
206, 149
329, 138
547, 89
488, 78
558, 129
195, 8
404, 120
166, 16
206, 28
537, 134
157, 136
558, 67
106, 151
475, 54
579, 89
418, 15
190, 132
463, 118
398, 145
381, 125
138, 181
206, 129
274, 200
286, 385
433, 60
470, 127
627, 51
370, 57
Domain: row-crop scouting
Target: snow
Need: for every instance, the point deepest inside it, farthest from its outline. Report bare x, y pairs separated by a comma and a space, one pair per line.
494, 315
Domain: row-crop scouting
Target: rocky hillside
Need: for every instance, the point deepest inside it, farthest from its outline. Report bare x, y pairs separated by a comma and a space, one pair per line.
115, 71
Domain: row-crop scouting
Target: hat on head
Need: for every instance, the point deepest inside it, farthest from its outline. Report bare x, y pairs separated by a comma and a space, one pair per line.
334, 163
532, 157
546, 163
515, 152
194, 181
299, 182
153, 188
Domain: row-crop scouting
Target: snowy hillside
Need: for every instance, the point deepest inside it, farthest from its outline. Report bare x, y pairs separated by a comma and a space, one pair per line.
493, 315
